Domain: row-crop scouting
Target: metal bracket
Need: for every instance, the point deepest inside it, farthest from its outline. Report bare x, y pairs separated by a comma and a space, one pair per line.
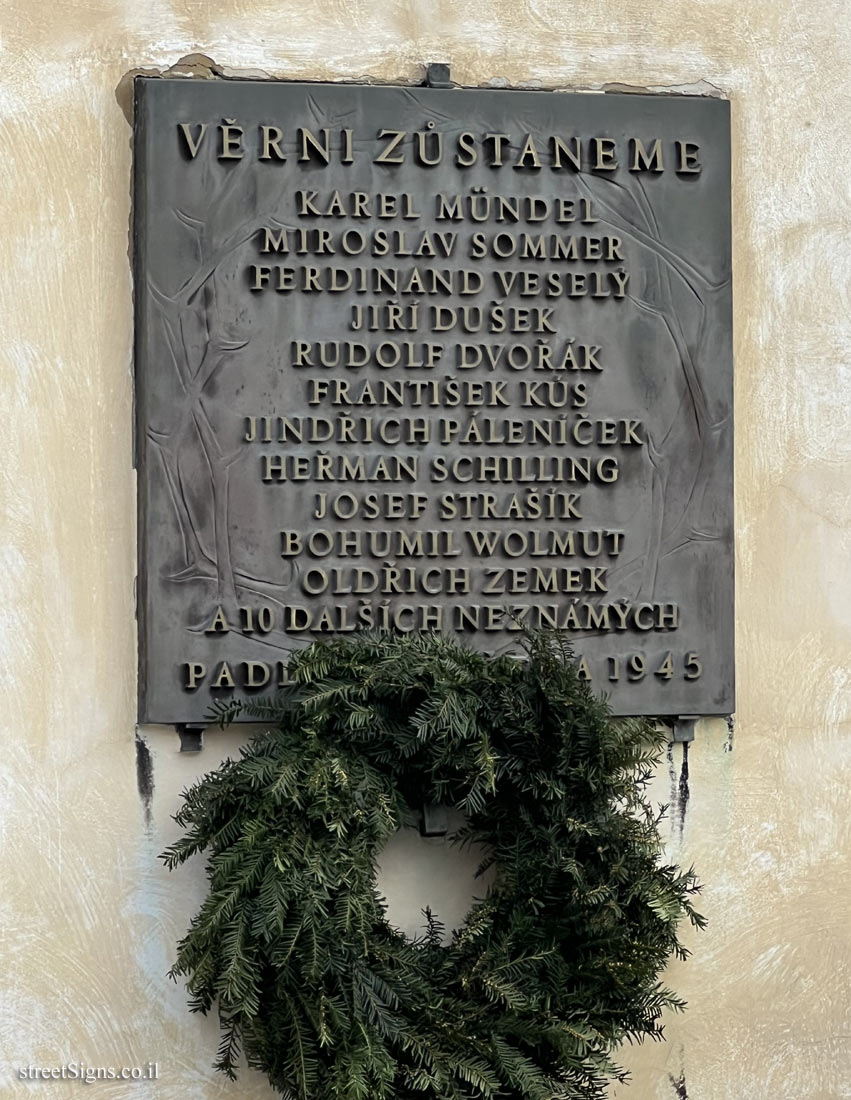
437, 76
191, 737
682, 727
435, 821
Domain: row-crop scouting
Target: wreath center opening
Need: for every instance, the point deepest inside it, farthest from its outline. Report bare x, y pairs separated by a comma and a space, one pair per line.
416, 872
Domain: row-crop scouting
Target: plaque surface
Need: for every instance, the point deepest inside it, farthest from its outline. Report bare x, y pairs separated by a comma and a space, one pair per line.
432, 359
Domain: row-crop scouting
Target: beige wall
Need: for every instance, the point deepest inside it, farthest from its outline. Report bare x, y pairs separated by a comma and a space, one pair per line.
87, 919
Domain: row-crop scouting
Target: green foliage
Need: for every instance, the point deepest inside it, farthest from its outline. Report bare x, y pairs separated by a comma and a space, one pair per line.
557, 964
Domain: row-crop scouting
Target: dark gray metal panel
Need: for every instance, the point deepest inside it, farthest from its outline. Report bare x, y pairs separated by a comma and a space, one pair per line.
211, 353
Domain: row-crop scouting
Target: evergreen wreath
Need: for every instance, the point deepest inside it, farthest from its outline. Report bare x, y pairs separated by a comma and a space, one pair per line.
555, 966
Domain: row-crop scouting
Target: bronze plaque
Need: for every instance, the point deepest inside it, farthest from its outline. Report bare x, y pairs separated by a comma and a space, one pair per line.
432, 359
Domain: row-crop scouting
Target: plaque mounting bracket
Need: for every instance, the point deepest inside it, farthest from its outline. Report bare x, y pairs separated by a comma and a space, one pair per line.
191, 737
682, 727
437, 75
435, 821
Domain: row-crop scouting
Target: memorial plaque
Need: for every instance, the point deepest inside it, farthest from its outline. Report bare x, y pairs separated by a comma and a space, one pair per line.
432, 359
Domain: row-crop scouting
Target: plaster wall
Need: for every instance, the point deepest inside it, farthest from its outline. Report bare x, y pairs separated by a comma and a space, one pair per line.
88, 919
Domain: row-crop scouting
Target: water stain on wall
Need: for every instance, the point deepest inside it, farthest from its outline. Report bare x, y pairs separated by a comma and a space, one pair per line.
679, 1086
683, 791
145, 777
679, 786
